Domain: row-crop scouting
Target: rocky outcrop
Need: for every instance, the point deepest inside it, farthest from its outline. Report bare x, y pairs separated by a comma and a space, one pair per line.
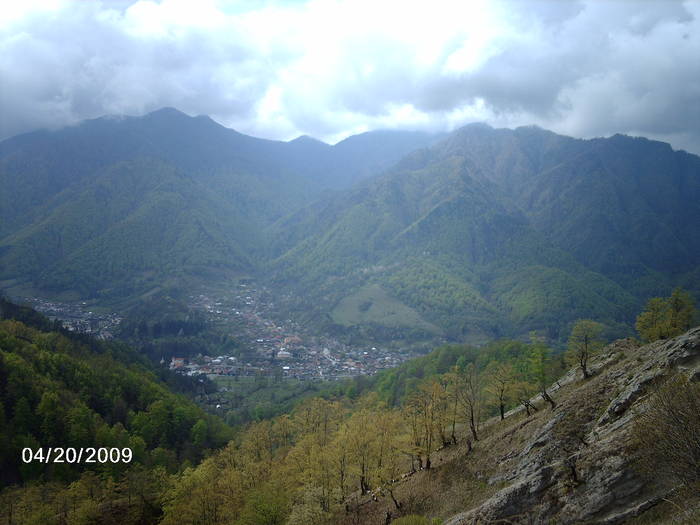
579, 466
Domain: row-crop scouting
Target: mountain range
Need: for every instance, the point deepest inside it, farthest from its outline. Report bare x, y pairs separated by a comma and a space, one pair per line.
474, 234
117, 206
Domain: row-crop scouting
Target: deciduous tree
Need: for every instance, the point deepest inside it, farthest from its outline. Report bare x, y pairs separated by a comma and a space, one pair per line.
499, 381
584, 341
470, 397
666, 317
540, 361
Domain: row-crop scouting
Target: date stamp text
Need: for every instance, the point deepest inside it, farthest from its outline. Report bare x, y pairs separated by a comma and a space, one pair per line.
77, 455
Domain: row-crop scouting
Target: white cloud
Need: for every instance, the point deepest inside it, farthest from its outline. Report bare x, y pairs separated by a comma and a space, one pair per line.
328, 68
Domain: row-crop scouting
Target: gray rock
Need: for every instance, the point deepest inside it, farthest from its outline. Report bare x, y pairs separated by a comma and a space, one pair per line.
606, 489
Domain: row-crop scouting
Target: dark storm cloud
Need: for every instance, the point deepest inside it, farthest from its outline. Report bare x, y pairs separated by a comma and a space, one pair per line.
330, 68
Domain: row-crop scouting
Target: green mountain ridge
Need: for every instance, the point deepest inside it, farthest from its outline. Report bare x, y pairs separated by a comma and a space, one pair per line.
445, 243
114, 207
477, 234
624, 206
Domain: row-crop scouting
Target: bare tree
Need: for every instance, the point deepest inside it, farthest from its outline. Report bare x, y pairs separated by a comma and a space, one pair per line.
500, 378
469, 392
540, 362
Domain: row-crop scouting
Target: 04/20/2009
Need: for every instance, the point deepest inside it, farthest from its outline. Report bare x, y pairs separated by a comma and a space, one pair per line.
77, 455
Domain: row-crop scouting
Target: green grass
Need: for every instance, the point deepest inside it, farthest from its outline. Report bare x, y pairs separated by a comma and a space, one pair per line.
371, 304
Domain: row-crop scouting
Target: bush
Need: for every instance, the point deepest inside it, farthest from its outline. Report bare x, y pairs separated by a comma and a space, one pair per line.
668, 433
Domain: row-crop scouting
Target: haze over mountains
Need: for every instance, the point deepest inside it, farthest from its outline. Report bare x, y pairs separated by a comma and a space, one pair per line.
480, 233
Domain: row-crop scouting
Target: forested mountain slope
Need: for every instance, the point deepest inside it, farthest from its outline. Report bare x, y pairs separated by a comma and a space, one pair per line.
503, 231
626, 207
116, 206
59, 389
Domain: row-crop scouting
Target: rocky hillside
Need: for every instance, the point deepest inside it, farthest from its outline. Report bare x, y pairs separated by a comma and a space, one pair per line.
577, 463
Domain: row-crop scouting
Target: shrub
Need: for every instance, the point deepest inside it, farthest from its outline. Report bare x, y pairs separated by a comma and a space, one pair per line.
668, 433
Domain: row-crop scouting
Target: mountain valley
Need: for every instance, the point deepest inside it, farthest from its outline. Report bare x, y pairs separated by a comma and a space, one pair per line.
478, 234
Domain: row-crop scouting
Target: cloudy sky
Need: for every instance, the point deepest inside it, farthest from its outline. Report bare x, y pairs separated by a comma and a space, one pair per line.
330, 68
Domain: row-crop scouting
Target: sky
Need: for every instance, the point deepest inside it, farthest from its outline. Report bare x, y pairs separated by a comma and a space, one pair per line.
332, 68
